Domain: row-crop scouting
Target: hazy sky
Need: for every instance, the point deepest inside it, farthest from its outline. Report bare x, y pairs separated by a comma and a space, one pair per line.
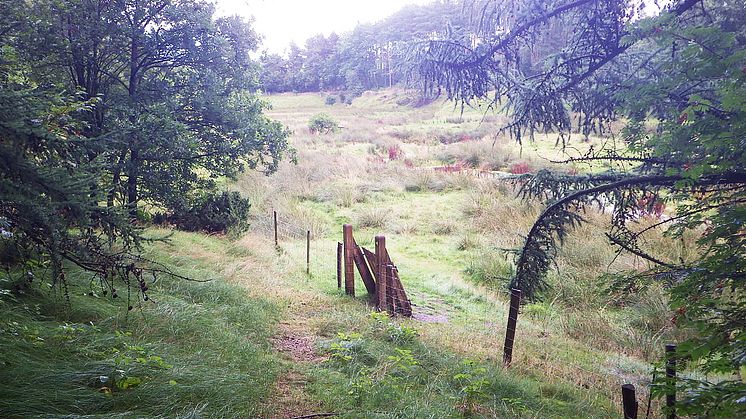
283, 21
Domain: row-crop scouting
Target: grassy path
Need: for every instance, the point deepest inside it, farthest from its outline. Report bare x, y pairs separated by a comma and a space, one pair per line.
264, 339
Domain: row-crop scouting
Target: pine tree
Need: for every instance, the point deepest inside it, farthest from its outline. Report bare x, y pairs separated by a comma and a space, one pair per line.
677, 80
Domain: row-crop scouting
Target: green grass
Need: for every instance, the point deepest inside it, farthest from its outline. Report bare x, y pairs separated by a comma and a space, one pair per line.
193, 348
376, 370
446, 233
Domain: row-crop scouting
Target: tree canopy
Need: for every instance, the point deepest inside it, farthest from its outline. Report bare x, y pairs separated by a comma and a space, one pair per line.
676, 81
110, 109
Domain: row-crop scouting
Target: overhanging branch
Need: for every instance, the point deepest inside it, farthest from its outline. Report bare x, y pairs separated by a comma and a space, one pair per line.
540, 239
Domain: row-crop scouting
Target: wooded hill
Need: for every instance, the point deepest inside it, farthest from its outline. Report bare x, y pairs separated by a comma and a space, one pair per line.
376, 55
369, 57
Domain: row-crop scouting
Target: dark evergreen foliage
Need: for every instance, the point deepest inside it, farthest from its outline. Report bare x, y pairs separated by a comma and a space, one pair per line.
214, 213
677, 81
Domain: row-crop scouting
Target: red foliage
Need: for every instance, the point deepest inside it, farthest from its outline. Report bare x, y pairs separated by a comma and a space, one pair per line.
451, 168
649, 205
408, 163
395, 152
520, 168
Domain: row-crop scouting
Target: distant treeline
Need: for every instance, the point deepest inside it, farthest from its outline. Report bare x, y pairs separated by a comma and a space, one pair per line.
369, 57
382, 54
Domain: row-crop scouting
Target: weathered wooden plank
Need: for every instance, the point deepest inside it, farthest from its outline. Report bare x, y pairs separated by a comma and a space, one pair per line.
362, 267
515, 302
370, 257
381, 271
339, 264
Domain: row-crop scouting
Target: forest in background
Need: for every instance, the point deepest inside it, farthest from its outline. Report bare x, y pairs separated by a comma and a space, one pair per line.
379, 55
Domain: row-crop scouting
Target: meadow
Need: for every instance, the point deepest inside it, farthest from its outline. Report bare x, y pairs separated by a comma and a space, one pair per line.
264, 339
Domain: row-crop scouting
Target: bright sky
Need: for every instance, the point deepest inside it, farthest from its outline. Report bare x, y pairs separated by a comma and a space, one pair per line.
283, 21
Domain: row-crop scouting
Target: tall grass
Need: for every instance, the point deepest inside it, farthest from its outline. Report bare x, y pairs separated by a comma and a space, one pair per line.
193, 348
384, 368
448, 227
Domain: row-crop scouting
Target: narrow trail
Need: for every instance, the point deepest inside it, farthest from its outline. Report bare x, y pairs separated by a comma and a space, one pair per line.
267, 274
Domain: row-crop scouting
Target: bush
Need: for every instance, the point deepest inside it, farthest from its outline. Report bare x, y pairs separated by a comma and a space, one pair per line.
395, 152
322, 124
214, 213
520, 168
372, 217
491, 270
330, 100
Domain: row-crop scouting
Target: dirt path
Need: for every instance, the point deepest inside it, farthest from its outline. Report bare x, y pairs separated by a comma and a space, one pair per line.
295, 342
289, 397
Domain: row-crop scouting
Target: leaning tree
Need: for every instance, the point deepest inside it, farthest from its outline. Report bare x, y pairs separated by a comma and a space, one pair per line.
674, 79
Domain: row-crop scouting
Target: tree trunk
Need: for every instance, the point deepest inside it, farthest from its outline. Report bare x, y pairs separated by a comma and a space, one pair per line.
132, 173
116, 178
133, 167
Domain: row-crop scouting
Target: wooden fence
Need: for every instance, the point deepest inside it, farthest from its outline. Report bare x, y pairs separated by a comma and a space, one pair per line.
379, 274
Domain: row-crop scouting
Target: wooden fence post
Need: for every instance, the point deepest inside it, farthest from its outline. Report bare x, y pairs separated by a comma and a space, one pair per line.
308, 251
275, 216
380, 272
349, 244
515, 300
363, 270
389, 289
671, 381
629, 401
339, 265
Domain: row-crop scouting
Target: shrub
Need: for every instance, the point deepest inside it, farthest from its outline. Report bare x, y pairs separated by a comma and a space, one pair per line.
330, 100
322, 124
413, 187
372, 217
520, 168
214, 213
492, 270
402, 134
468, 242
443, 227
395, 152
473, 160
347, 195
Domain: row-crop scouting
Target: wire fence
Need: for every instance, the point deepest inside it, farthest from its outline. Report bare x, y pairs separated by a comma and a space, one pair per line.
284, 229
287, 228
